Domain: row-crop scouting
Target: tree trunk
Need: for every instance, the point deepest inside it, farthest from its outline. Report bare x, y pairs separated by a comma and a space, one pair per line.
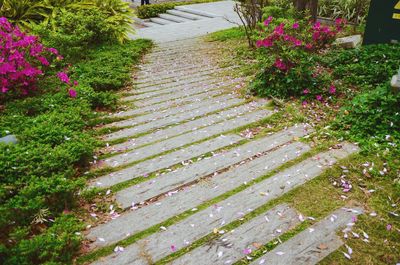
314, 9
311, 5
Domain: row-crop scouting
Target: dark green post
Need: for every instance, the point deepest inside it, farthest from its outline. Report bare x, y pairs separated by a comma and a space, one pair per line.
383, 23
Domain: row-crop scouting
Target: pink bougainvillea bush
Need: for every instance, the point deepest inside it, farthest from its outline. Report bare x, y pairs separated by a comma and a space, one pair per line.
286, 49
23, 62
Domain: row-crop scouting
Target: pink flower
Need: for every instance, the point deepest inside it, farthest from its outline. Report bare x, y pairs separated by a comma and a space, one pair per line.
4, 89
317, 26
326, 30
319, 97
259, 43
316, 35
267, 43
280, 30
36, 50
76, 83
338, 21
63, 77
309, 46
31, 72
72, 93
332, 90
295, 25
43, 60
7, 68
306, 91
305, 103
280, 65
268, 21
389, 227
173, 248
53, 51
297, 43
247, 251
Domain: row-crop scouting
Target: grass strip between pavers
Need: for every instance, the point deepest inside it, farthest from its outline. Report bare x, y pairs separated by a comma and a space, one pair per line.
133, 238
107, 170
275, 119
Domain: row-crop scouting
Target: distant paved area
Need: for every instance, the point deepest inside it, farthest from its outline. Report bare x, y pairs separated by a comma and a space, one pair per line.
179, 152
220, 15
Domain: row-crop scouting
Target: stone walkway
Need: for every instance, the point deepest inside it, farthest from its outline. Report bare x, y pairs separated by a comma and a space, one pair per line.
182, 171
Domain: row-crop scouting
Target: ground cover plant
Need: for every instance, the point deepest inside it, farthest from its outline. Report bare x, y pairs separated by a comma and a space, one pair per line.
50, 104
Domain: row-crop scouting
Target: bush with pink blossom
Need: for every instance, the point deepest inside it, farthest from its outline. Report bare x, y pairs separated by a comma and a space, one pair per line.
24, 62
287, 50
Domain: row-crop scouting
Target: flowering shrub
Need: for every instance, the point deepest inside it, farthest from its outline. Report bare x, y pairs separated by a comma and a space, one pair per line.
289, 68
64, 78
23, 60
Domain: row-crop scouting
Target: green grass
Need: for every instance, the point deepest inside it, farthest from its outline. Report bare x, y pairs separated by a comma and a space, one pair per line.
108, 250
306, 194
228, 34
288, 115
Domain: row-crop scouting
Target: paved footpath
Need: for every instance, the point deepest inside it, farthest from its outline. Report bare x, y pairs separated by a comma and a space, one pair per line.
222, 16
181, 171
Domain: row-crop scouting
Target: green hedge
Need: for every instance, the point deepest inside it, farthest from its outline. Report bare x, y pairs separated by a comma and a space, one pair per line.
148, 11
110, 68
40, 175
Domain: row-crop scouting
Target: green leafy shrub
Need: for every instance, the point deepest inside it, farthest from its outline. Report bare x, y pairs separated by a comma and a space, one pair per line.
373, 116
56, 245
98, 99
148, 11
23, 12
76, 32
287, 51
352, 10
27, 13
279, 13
40, 174
118, 16
51, 145
367, 66
109, 67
